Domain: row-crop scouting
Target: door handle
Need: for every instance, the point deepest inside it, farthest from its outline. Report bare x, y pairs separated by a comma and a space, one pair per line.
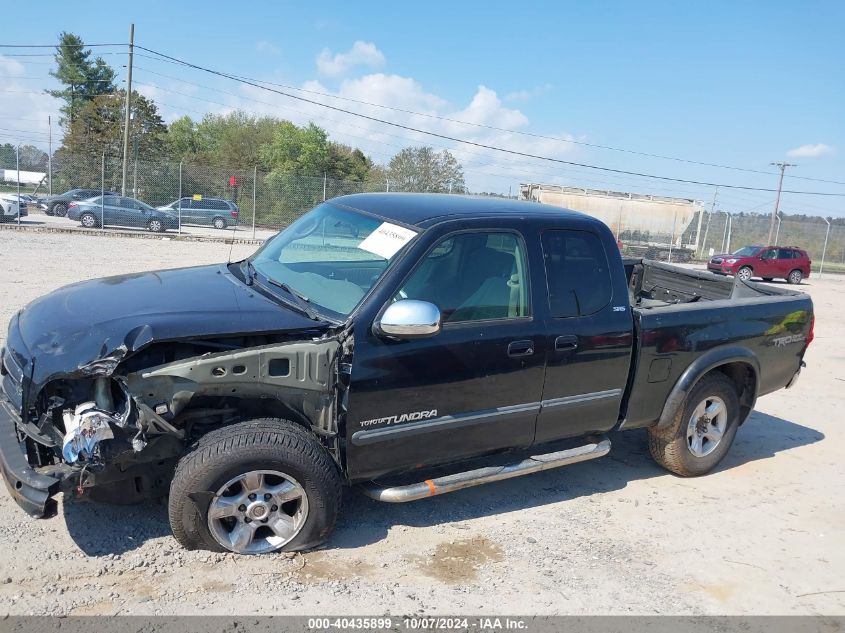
566, 343
520, 348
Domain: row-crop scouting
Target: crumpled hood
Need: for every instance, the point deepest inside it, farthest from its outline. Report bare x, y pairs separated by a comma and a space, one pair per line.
88, 327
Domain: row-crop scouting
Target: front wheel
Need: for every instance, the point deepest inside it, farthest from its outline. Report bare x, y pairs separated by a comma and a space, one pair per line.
253, 488
156, 226
702, 431
219, 223
744, 273
88, 220
795, 277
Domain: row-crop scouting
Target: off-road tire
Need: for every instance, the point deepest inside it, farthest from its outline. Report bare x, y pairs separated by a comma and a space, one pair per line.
668, 446
264, 443
59, 210
94, 222
795, 277
745, 273
219, 223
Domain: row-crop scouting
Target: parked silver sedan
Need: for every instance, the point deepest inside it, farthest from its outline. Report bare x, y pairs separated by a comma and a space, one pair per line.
120, 211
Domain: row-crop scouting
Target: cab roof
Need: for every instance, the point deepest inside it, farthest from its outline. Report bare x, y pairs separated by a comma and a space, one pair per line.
421, 209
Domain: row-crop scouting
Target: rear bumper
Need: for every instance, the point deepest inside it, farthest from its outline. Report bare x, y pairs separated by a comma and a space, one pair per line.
796, 376
32, 491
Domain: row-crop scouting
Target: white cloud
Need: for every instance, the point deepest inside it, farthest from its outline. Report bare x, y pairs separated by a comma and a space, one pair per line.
526, 95
361, 54
485, 170
24, 107
810, 150
263, 46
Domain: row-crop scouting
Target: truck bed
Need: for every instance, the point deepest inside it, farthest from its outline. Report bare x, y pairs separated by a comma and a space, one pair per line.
681, 314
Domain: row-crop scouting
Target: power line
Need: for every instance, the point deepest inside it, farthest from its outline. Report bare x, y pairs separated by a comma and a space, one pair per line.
471, 157
86, 81
571, 177
11, 129
57, 45
491, 127
483, 145
263, 84
51, 54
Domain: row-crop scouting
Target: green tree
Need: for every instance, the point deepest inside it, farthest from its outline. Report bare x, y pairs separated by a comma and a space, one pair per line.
84, 78
424, 170
182, 139
301, 150
235, 140
347, 163
32, 158
7, 156
98, 129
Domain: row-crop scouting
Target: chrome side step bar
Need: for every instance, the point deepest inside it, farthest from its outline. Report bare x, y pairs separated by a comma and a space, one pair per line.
458, 481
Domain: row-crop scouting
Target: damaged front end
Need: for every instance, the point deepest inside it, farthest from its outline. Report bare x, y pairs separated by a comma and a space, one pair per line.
114, 429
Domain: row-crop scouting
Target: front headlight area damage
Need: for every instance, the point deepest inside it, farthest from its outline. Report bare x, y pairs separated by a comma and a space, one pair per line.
117, 436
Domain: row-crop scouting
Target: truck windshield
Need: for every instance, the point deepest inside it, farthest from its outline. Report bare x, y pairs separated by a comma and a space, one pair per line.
747, 251
331, 256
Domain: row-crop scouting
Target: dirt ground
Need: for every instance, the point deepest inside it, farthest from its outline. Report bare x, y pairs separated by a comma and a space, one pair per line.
764, 534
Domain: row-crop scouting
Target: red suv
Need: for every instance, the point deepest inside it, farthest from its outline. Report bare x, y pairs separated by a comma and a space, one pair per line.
768, 262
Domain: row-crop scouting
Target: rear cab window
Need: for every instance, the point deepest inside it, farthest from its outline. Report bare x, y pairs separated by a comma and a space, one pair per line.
577, 273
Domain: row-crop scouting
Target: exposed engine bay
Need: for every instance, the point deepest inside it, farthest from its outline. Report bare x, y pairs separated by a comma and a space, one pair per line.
119, 429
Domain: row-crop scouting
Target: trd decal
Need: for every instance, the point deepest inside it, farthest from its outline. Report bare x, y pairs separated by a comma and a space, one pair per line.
783, 341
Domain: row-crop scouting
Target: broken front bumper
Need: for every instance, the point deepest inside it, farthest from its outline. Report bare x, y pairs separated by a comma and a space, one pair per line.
31, 490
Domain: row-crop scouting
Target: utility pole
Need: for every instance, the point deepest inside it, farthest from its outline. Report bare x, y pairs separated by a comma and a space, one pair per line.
128, 109
707, 228
50, 156
824, 248
782, 167
18, 167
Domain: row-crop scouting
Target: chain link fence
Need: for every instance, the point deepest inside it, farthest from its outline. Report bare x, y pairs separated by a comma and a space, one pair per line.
823, 240
249, 203
180, 195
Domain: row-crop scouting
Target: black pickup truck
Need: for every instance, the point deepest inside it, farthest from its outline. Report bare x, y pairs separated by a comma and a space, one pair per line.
410, 345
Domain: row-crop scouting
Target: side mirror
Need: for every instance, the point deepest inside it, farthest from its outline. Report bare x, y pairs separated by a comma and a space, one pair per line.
409, 318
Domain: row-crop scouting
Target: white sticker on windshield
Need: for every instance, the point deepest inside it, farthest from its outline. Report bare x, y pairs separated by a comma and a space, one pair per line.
387, 239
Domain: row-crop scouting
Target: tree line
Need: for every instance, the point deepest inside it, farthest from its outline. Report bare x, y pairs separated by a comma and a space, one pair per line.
292, 160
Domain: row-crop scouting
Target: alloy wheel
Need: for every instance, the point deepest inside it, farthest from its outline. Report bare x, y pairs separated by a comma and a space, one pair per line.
707, 426
257, 512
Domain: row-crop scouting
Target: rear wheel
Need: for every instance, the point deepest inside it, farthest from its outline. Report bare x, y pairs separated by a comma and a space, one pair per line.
219, 223
88, 220
795, 277
744, 273
255, 487
60, 210
702, 431
155, 225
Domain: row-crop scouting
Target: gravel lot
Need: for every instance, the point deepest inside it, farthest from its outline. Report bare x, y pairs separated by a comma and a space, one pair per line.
763, 534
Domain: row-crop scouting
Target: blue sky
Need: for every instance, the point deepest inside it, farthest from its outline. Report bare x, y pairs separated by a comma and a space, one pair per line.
734, 83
